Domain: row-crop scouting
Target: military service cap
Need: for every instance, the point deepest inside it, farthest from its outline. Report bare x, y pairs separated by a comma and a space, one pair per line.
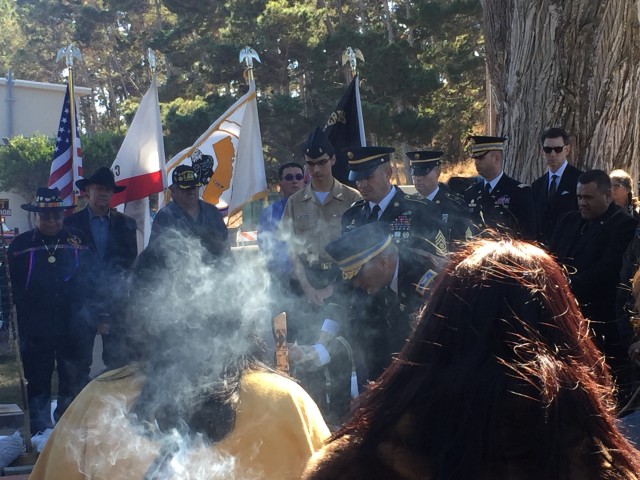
423, 162
364, 160
318, 144
356, 247
482, 145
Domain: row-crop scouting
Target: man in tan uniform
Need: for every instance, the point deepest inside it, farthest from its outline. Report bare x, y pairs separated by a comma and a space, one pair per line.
313, 217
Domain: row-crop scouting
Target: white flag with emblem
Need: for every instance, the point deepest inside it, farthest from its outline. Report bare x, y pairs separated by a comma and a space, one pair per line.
228, 156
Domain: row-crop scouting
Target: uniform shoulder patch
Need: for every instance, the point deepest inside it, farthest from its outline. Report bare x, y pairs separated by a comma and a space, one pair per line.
523, 185
358, 202
426, 280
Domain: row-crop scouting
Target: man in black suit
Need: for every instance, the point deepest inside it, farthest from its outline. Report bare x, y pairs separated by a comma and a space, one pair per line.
112, 236
554, 193
591, 243
414, 222
498, 201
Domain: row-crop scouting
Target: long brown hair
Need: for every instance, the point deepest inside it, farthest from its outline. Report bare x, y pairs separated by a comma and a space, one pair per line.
500, 371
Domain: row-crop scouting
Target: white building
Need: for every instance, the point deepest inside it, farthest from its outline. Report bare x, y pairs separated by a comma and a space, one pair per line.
28, 108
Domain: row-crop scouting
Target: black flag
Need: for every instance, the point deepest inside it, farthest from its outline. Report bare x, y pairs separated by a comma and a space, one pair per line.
345, 129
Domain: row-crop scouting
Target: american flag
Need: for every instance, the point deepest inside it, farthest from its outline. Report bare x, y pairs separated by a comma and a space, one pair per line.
66, 168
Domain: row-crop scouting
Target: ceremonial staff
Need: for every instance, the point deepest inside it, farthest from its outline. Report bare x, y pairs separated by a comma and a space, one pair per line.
247, 55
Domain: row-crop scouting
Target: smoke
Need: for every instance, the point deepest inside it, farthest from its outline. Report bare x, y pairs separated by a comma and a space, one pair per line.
190, 318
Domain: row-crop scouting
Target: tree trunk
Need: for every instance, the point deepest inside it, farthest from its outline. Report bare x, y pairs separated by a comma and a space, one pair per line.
388, 22
571, 63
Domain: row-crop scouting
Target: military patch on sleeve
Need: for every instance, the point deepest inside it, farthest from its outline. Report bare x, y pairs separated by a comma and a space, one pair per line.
426, 280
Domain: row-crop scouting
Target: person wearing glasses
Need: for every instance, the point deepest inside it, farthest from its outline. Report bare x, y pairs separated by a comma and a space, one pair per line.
312, 218
497, 201
290, 180
554, 193
46, 266
187, 213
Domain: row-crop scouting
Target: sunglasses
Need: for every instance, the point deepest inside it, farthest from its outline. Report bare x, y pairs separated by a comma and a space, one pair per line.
553, 149
290, 176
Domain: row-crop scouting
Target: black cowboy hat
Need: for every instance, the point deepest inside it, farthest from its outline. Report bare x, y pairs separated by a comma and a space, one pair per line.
103, 176
46, 199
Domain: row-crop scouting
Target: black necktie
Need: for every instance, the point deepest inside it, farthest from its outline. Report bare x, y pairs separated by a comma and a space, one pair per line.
373, 216
553, 188
486, 194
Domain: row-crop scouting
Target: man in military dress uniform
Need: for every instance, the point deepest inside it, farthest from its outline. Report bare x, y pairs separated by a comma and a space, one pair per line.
46, 274
425, 172
414, 222
498, 201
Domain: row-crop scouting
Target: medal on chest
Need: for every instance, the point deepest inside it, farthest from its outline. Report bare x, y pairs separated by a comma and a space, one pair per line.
51, 252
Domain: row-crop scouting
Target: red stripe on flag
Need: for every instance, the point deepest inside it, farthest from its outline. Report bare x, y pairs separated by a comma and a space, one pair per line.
138, 187
66, 191
60, 172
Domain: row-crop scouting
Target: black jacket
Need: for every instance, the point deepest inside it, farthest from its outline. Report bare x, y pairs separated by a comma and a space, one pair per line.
593, 254
549, 211
508, 208
122, 245
111, 272
48, 279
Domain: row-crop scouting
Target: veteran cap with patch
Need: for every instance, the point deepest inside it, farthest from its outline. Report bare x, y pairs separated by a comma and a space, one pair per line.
482, 145
318, 144
423, 162
356, 247
364, 160
184, 177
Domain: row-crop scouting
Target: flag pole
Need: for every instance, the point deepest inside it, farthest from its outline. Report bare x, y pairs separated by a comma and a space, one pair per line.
68, 54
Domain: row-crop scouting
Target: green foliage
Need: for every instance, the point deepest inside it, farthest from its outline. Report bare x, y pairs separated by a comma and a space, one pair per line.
99, 150
422, 81
25, 164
